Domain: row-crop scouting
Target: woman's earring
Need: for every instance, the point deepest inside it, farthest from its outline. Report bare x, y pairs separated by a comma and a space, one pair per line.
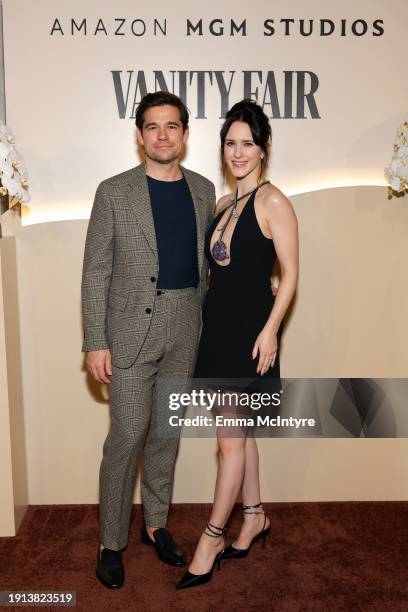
262, 156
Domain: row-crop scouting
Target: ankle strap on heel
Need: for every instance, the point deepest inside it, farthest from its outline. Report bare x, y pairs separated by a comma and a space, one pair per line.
247, 509
215, 532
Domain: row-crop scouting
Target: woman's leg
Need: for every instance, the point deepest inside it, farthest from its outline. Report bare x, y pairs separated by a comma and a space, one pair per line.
231, 454
253, 523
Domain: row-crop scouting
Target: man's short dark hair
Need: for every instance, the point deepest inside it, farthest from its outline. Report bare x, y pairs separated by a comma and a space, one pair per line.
160, 98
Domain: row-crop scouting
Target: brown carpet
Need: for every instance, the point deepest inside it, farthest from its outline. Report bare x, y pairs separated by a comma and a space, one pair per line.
319, 556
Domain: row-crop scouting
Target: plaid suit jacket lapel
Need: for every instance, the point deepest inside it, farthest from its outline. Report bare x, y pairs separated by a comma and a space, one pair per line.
200, 213
139, 197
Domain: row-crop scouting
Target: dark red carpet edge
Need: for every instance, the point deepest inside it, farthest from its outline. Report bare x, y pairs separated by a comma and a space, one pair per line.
330, 556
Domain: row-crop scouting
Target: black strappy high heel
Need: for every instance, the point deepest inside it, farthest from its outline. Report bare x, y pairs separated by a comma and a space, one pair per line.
191, 580
238, 553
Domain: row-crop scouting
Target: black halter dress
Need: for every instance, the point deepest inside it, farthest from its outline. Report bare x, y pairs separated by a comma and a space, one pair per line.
237, 306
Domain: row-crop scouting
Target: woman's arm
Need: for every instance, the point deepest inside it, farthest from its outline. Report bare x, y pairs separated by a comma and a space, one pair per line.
280, 219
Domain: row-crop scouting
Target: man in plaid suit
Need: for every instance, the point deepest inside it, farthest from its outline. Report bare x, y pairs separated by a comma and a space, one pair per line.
143, 283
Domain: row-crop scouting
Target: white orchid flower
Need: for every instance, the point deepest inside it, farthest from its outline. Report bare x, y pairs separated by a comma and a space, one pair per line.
6, 168
15, 159
12, 185
25, 196
402, 150
395, 165
22, 170
404, 172
12, 156
13, 173
395, 183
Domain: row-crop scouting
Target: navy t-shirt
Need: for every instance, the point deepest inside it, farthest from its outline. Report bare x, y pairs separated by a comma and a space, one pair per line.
176, 233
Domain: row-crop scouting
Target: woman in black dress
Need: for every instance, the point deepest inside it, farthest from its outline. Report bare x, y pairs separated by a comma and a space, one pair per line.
242, 321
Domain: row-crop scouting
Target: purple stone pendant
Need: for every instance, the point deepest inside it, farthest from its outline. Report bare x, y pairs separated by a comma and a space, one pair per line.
219, 250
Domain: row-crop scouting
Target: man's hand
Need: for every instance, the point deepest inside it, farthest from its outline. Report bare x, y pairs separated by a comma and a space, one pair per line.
99, 365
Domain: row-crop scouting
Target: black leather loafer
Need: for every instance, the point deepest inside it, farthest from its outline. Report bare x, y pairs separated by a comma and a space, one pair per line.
109, 568
167, 550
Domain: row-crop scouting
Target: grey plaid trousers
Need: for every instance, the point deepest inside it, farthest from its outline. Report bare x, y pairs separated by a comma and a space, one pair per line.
169, 351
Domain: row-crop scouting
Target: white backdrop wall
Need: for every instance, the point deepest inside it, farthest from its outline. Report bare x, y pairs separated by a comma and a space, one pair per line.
342, 325
349, 316
61, 58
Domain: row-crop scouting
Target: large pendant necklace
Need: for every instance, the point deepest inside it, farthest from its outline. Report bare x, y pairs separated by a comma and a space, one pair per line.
219, 248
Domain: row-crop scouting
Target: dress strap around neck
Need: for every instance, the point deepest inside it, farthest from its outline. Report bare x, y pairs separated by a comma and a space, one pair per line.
250, 193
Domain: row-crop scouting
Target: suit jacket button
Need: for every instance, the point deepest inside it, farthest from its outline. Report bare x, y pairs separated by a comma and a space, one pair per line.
148, 310
153, 279
159, 292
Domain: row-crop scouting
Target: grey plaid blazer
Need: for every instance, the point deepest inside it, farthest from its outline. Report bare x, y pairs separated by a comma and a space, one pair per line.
121, 265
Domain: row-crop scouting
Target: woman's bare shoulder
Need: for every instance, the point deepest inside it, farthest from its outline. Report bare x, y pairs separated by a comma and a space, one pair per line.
273, 198
271, 194
275, 205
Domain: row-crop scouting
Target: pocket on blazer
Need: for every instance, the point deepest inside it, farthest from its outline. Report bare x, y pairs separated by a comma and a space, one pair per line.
117, 301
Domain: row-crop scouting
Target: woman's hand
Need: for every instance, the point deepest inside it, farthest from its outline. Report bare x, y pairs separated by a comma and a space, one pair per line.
266, 345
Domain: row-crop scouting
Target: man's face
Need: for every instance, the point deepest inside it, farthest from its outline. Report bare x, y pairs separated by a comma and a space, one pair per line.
162, 135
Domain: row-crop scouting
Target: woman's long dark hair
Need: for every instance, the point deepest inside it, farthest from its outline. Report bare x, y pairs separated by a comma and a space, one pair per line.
251, 113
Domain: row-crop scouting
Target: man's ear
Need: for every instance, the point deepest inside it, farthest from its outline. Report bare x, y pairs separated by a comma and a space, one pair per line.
139, 137
186, 135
